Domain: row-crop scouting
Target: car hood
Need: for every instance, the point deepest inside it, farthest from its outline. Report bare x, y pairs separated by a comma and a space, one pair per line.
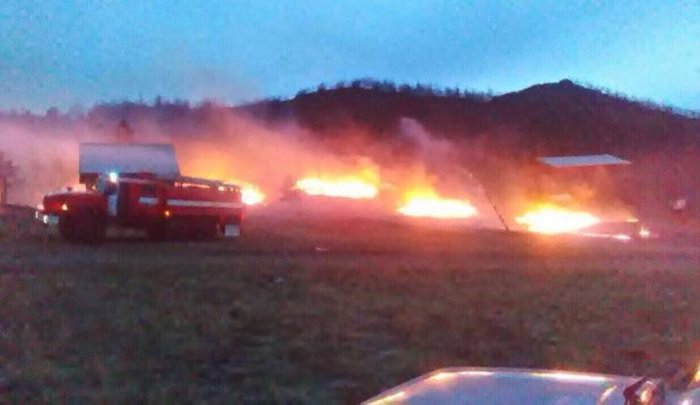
520, 386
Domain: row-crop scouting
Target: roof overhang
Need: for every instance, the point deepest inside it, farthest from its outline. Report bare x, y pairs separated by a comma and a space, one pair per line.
582, 161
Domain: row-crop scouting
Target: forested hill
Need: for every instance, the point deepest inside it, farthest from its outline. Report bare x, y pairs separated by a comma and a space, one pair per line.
552, 118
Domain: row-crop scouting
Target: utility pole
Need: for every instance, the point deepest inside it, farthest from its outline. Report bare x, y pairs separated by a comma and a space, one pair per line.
124, 133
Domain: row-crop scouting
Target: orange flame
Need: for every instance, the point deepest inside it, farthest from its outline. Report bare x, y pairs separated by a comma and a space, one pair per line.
696, 376
426, 203
644, 232
345, 188
250, 193
549, 219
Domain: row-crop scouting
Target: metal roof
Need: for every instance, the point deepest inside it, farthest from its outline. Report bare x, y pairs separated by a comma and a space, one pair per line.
98, 158
582, 160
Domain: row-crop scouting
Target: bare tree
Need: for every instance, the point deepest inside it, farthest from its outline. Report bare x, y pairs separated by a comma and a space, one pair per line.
7, 173
123, 132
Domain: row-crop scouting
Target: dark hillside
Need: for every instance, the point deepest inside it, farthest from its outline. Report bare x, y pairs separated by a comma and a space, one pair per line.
565, 118
375, 110
553, 118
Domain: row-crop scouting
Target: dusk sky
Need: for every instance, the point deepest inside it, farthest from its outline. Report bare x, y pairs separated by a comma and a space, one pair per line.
65, 53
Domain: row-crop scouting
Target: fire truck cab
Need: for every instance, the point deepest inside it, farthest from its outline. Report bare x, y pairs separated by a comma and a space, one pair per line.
163, 204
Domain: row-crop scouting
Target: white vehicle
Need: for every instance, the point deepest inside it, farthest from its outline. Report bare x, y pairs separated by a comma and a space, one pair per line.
527, 386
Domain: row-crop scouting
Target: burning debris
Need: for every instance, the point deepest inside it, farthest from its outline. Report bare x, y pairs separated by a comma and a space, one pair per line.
251, 194
550, 219
342, 188
428, 204
580, 195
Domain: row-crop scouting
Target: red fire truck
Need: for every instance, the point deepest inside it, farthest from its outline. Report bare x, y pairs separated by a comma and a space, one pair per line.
149, 194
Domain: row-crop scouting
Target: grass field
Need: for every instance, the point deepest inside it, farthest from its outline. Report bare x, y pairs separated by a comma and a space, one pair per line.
331, 311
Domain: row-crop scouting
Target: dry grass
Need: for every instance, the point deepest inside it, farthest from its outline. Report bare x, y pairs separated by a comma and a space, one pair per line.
331, 311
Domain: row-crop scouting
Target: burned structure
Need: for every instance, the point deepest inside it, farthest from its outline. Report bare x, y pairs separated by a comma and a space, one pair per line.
596, 182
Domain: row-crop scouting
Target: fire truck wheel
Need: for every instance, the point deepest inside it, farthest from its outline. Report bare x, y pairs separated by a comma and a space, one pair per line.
89, 227
157, 231
66, 227
205, 229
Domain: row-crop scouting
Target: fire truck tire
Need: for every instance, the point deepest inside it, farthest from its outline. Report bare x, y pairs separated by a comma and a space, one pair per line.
157, 231
66, 227
205, 229
88, 227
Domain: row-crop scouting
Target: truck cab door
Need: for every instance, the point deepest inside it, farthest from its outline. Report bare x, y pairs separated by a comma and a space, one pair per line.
112, 204
111, 191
